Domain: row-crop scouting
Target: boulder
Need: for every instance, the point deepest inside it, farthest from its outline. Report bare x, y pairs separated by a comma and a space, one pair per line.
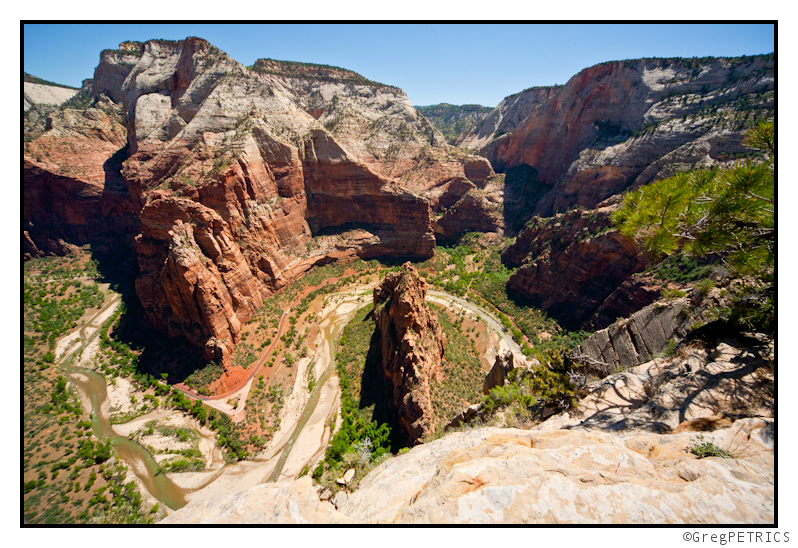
477, 169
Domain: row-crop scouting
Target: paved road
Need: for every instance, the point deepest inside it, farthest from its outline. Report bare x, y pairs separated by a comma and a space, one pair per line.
486, 316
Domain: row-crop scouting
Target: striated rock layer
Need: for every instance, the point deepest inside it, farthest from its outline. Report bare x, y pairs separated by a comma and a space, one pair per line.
412, 345
570, 263
237, 181
74, 193
234, 181
623, 124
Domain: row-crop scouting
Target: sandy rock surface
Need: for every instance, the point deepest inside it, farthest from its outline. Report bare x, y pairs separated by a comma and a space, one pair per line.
695, 392
294, 502
39, 94
494, 475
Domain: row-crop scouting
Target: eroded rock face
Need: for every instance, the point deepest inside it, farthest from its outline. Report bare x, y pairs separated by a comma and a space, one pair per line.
640, 337
494, 475
504, 363
412, 345
240, 186
289, 501
570, 263
626, 123
74, 193
41, 94
506, 117
477, 170
113, 70
699, 389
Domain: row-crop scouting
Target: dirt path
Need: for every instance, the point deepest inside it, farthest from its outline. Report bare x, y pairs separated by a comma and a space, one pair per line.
265, 371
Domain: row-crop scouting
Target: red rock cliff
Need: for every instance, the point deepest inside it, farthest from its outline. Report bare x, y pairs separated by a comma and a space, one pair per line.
73, 191
569, 264
235, 181
626, 123
412, 346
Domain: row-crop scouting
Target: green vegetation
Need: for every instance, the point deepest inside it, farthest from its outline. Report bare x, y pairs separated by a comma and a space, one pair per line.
727, 212
702, 449
53, 308
367, 432
68, 477
187, 459
460, 384
134, 52
474, 270
201, 379
453, 120
79, 101
244, 355
551, 384
681, 268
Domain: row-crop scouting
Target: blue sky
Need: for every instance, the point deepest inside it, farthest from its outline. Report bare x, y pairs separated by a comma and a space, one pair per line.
458, 64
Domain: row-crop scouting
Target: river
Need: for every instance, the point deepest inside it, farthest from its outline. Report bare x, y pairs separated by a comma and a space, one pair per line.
93, 386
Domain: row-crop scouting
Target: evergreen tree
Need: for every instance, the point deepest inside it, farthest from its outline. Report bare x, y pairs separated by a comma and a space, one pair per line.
711, 211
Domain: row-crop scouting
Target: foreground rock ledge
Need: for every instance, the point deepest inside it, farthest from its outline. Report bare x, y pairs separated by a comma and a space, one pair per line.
495, 475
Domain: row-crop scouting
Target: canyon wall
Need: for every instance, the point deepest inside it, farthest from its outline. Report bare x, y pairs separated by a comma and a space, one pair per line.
622, 124
235, 178
230, 173
74, 193
217, 179
570, 263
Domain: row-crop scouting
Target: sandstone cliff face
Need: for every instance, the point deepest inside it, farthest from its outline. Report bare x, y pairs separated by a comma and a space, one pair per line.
242, 179
646, 333
569, 264
229, 164
412, 346
114, 67
623, 124
375, 123
73, 191
41, 94
507, 115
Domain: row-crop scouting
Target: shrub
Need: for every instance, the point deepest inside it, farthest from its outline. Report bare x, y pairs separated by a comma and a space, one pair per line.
702, 448
503, 396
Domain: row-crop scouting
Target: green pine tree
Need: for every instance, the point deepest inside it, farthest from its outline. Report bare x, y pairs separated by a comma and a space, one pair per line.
711, 211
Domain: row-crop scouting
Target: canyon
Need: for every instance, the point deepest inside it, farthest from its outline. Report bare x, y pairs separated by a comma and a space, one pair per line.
231, 174
218, 189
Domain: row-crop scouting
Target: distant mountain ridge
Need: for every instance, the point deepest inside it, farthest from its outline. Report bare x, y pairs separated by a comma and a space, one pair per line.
31, 79
454, 120
312, 71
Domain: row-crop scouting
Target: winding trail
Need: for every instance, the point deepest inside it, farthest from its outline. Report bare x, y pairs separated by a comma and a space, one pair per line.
490, 320
188, 391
